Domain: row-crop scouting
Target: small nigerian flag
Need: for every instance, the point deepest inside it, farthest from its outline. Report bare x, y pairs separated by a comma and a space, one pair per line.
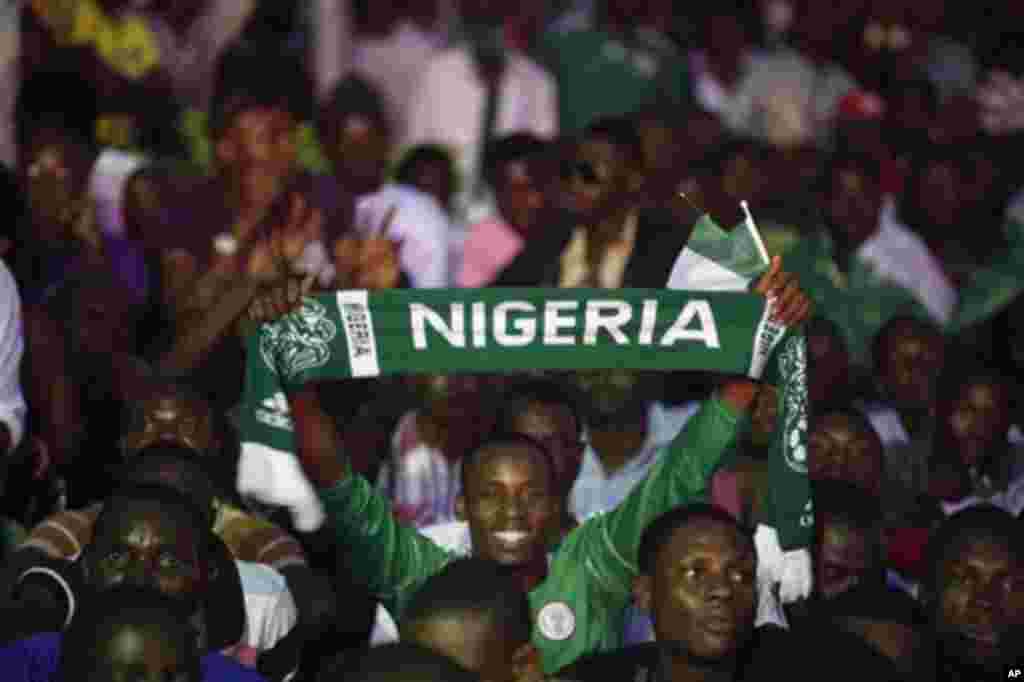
716, 260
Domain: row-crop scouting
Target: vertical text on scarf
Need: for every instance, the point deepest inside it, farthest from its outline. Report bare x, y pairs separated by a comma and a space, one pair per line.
562, 323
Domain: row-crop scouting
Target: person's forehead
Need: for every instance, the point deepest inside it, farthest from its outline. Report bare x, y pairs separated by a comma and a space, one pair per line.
498, 461
969, 550
600, 150
841, 427
703, 536
261, 117
133, 642
518, 172
168, 401
545, 417
839, 531
852, 178
134, 516
982, 392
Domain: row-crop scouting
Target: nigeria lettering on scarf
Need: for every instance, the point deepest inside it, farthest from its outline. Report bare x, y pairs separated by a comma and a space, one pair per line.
363, 334
360, 334
516, 323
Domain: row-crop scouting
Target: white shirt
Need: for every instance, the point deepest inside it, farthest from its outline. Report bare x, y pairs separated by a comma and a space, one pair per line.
394, 63
106, 186
12, 347
420, 225
270, 610
900, 256
596, 491
447, 106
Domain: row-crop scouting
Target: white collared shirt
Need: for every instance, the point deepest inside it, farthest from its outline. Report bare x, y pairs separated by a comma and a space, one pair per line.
12, 348
420, 225
901, 257
596, 491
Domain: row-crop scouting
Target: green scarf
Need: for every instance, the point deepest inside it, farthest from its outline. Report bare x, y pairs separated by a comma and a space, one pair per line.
359, 334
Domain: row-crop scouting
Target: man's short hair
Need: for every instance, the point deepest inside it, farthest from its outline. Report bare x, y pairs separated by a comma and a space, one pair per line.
57, 97
985, 523
405, 662
514, 147
177, 467
502, 439
826, 328
621, 132
848, 503
405, 170
854, 415
846, 159
659, 532
353, 96
250, 79
893, 329
104, 614
473, 586
519, 395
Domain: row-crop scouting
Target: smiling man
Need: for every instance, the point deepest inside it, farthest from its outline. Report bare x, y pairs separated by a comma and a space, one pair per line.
579, 591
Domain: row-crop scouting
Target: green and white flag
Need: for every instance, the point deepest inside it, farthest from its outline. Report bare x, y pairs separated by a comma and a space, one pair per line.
351, 334
716, 260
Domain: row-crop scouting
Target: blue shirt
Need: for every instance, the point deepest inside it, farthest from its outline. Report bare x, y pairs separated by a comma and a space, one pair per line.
37, 659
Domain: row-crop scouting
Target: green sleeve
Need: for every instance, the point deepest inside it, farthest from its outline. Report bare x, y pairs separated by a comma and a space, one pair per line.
995, 285
606, 545
393, 560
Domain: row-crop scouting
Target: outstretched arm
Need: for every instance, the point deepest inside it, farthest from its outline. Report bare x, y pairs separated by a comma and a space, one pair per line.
390, 558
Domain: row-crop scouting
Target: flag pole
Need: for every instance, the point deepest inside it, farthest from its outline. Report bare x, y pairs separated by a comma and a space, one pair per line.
752, 227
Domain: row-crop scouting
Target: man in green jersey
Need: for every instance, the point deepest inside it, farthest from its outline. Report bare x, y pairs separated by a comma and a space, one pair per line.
579, 589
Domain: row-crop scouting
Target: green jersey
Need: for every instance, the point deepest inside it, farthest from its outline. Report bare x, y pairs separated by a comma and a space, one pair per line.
578, 608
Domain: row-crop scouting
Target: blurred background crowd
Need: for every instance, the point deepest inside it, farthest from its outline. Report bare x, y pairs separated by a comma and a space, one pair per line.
150, 146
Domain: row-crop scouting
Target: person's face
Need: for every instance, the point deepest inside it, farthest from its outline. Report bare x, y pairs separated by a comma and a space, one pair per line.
839, 450
911, 368
510, 504
703, 590
434, 178
979, 419
607, 393
596, 181
843, 557
144, 546
854, 204
175, 420
978, 586
831, 367
520, 195
260, 146
360, 149
481, 646
137, 654
53, 188
449, 397
661, 147
555, 427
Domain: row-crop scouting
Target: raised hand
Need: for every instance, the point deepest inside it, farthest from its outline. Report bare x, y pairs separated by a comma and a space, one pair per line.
792, 305
277, 258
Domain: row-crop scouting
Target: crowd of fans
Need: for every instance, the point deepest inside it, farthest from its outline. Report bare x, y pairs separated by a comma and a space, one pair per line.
178, 172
